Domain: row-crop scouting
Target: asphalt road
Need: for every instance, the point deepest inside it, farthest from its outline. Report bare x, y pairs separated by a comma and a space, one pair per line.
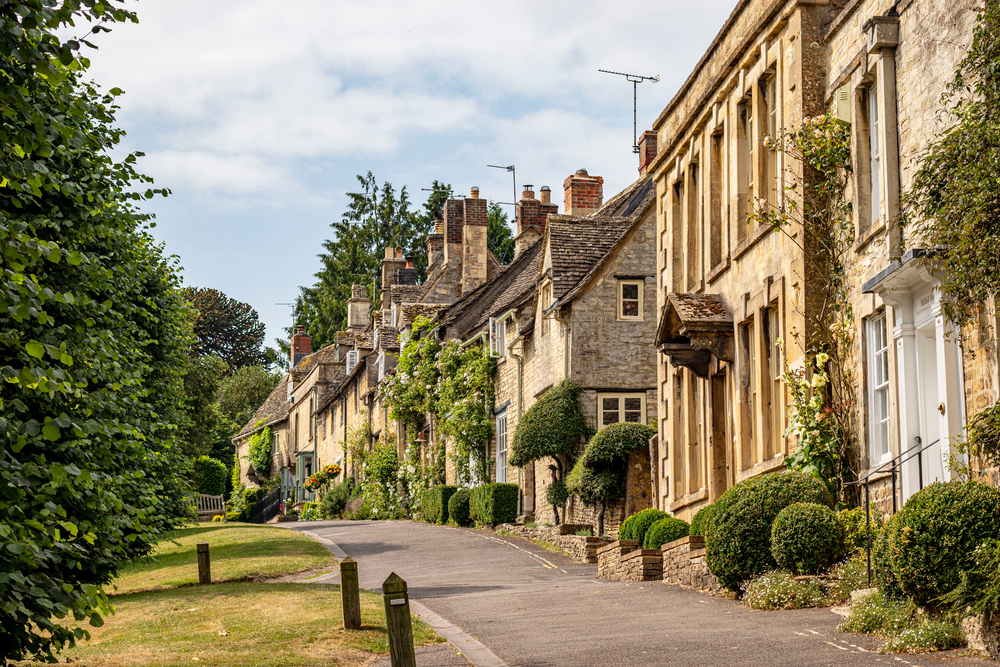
534, 607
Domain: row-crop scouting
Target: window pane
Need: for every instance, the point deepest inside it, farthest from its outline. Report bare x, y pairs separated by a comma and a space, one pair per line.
633, 404
610, 418
630, 291
609, 404
630, 308
634, 417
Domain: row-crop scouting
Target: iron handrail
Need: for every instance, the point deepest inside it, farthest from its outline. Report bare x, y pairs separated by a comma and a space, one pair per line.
909, 453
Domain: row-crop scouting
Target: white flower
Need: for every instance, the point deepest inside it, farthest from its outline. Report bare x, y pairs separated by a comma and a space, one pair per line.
822, 358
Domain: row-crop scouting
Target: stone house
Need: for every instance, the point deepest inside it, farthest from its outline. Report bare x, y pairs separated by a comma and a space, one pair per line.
736, 300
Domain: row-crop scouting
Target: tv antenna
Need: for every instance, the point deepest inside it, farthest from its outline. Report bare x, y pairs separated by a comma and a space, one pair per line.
636, 79
513, 174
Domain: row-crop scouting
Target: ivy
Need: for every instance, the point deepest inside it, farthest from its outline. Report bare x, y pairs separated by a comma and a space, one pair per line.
259, 450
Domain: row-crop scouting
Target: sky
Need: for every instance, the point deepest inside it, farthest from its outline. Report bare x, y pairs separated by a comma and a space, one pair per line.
258, 115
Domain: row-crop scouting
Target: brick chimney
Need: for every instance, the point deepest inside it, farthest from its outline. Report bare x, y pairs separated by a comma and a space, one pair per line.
532, 215
392, 264
474, 250
454, 220
357, 309
301, 346
584, 193
647, 150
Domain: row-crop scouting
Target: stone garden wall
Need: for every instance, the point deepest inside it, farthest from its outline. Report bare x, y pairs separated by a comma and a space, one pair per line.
684, 564
564, 537
609, 559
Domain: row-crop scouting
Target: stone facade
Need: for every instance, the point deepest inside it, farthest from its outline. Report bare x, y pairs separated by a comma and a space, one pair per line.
684, 564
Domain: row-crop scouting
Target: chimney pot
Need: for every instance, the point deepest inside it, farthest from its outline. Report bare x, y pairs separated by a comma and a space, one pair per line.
546, 194
301, 329
409, 261
474, 192
581, 172
529, 192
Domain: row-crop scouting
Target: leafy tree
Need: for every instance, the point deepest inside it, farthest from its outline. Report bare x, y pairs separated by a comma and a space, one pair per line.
227, 328
201, 383
433, 211
499, 238
210, 475
243, 391
92, 340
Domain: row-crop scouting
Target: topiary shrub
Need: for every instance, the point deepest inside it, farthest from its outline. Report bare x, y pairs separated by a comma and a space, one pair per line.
556, 494
939, 530
640, 522
806, 538
665, 530
882, 574
491, 504
458, 507
856, 528
739, 542
210, 475
434, 503
699, 524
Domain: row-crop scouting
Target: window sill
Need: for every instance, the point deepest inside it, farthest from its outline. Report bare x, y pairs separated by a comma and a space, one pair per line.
689, 499
763, 467
750, 241
873, 231
718, 270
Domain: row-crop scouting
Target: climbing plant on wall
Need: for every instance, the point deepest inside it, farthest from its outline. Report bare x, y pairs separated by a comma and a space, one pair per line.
816, 203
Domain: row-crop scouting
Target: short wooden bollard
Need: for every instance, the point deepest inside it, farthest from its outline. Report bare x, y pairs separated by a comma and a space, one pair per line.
204, 564
349, 595
397, 619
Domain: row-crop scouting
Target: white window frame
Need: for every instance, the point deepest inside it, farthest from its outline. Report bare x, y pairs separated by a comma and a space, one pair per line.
501, 446
621, 299
621, 396
877, 335
380, 363
875, 165
498, 338
274, 444
352, 360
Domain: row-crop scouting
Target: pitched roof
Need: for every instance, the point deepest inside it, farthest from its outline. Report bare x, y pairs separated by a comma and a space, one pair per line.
272, 411
406, 293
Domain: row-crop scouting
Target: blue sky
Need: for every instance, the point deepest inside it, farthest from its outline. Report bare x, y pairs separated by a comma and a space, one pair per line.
258, 114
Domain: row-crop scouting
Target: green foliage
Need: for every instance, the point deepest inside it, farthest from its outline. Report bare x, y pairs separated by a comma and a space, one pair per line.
434, 503
640, 522
259, 450
806, 538
939, 530
202, 377
979, 588
812, 422
358, 509
739, 543
883, 575
665, 530
459, 511
243, 391
379, 470
492, 504
553, 426
210, 475
556, 493
779, 590
901, 624
701, 520
499, 238
310, 512
625, 529
335, 500
598, 476
855, 525
846, 577
227, 329
983, 436
92, 339
954, 201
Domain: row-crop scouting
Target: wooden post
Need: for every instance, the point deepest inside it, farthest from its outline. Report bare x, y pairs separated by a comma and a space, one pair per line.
397, 619
349, 595
204, 564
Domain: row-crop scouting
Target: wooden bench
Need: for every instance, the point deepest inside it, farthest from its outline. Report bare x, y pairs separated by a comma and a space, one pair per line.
209, 506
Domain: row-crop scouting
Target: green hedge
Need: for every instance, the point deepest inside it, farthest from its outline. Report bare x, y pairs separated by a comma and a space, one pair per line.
699, 524
434, 503
665, 530
939, 530
855, 525
635, 526
806, 538
491, 504
458, 507
210, 475
739, 543
882, 574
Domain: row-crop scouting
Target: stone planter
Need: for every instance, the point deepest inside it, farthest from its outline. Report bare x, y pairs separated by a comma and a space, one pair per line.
609, 558
642, 565
684, 564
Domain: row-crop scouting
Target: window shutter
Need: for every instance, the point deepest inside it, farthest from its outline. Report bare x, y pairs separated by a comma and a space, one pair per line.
381, 366
842, 104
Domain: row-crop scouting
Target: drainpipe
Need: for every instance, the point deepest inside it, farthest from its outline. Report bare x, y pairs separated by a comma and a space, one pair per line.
518, 366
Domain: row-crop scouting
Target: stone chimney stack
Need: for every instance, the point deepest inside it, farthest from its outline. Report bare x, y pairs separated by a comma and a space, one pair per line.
301, 346
531, 217
357, 309
474, 250
584, 193
392, 264
647, 150
408, 275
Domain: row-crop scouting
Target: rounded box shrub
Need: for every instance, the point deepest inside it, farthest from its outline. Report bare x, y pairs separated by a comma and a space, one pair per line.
882, 574
855, 525
458, 507
626, 528
939, 530
664, 531
739, 542
806, 538
641, 522
699, 523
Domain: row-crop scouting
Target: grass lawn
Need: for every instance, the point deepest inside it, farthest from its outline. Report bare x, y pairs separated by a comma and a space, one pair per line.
240, 551
238, 624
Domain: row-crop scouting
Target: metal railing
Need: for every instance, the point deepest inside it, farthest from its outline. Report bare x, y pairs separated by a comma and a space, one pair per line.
891, 466
267, 507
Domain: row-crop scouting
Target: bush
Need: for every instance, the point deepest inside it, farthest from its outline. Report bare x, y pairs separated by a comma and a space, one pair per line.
901, 624
217, 517
458, 507
739, 543
806, 538
640, 523
847, 577
980, 587
855, 526
358, 509
665, 530
778, 590
551, 427
625, 529
210, 475
491, 504
699, 524
310, 512
335, 499
434, 503
557, 494
259, 451
882, 574
940, 528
